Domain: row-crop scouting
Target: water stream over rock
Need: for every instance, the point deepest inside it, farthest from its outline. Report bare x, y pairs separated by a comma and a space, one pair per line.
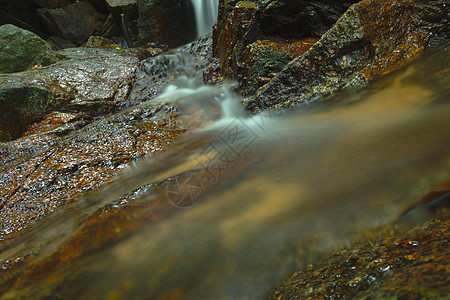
255, 196
205, 15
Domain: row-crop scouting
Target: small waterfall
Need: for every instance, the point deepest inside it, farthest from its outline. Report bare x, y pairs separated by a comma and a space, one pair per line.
205, 15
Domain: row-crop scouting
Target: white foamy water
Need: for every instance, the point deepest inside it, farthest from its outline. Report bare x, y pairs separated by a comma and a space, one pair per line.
205, 15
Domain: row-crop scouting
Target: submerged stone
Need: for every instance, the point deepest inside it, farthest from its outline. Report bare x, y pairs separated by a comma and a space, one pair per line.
21, 50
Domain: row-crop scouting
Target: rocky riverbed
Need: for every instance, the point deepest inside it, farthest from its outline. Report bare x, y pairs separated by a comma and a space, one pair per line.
74, 120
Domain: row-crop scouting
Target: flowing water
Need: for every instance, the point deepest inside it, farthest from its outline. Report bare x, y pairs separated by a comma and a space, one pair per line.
258, 197
205, 15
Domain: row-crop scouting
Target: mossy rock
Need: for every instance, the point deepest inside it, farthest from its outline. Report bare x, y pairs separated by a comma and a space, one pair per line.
20, 107
21, 50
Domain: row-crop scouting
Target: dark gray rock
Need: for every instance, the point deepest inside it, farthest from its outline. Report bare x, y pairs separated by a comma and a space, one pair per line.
92, 81
75, 22
165, 23
21, 49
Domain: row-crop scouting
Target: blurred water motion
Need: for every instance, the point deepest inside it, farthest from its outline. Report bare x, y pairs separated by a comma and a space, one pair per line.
261, 196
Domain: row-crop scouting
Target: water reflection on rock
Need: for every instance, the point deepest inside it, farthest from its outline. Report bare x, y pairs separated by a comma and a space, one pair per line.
277, 192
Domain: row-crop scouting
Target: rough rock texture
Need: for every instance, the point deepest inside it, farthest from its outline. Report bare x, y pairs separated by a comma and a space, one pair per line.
100, 42
13, 12
372, 38
21, 50
263, 59
57, 158
409, 266
56, 164
75, 22
241, 23
96, 81
21, 107
234, 24
164, 24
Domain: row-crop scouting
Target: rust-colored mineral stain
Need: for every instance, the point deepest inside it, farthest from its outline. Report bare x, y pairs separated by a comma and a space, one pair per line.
295, 48
395, 23
52, 121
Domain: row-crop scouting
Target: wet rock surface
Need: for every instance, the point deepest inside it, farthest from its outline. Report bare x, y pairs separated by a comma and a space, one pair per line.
412, 265
23, 106
74, 149
21, 50
69, 146
242, 23
371, 39
155, 73
263, 59
52, 167
94, 81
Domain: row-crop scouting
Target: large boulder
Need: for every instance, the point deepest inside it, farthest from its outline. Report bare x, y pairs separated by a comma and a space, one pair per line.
22, 106
74, 22
92, 80
166, 23
240, 24
21, 50
372, 38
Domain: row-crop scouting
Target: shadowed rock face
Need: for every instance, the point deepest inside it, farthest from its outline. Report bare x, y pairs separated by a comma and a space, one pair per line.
241, 23
372, 38
23, 106
75, 22
167, 24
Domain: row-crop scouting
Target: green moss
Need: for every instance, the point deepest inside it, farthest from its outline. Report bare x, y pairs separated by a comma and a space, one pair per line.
21, 50
20, 107
269, 61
